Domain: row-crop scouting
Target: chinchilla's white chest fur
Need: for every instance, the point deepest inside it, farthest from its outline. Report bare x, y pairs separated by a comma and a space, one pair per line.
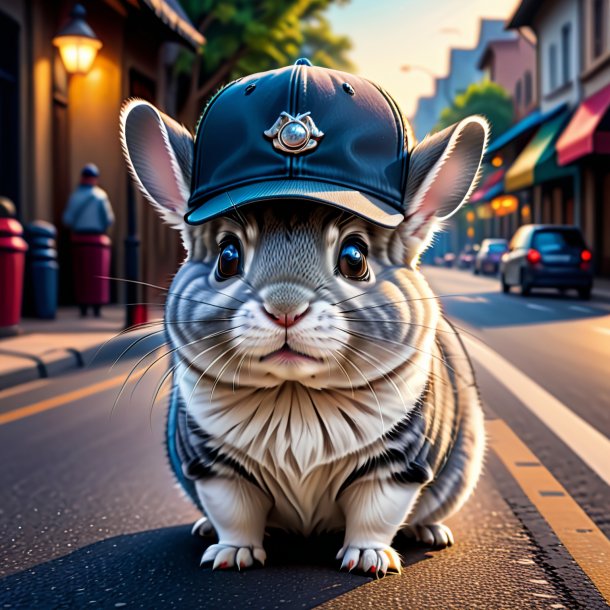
294, 441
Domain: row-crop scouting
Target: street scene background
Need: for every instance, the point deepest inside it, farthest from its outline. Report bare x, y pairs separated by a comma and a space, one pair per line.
90, 514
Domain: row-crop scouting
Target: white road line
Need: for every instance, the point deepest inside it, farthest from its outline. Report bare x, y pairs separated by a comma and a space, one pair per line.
601, 329
586, 442
582, 309
538, 307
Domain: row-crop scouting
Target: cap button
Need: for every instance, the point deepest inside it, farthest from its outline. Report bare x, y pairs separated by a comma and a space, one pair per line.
303, 61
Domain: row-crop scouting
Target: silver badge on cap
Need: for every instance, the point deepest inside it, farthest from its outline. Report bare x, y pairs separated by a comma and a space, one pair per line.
294, 134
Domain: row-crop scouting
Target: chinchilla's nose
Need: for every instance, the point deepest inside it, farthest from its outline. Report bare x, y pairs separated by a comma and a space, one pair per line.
286, 318
286, 302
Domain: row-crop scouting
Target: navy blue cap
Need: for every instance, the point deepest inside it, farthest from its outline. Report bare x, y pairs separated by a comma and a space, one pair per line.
90, 171
301, 132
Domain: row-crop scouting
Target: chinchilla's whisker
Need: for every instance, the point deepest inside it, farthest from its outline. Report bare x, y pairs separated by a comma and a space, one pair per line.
159, 387
389, 303
224, 366
168, 353
237, 370
461, 329
349, 379
211, 335
131, 373
134, 343
380, 276
169, 293
366, 381
205, 371
216, 334
400, 344
371, 360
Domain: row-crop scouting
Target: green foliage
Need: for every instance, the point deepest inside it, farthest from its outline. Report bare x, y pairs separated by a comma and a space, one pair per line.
246, 36
486, 98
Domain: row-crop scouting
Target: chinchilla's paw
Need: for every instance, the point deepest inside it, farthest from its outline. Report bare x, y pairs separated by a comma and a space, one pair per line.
203, 527
228, 557
377, 561
435, 535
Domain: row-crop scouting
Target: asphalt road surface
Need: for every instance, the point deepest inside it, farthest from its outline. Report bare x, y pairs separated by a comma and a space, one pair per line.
90, 515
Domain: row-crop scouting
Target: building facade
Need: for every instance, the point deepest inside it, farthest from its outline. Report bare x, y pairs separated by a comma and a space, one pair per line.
52, 123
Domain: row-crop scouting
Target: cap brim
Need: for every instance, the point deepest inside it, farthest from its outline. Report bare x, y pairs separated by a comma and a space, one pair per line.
361, 204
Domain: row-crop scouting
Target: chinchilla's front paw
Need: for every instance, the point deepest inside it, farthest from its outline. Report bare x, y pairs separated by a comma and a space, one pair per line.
435, 535
376, 561
227, 557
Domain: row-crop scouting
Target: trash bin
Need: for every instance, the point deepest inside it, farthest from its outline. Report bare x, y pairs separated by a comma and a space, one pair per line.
91, 266
42, 270
12, 265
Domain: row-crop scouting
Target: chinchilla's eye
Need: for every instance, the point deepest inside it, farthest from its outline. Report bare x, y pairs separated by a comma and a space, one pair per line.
352, 261
229, 260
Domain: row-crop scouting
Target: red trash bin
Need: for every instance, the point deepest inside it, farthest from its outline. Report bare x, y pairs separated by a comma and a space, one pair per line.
91, 266
12, 265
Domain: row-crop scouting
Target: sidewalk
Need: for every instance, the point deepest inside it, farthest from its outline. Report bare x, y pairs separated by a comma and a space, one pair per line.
46, 348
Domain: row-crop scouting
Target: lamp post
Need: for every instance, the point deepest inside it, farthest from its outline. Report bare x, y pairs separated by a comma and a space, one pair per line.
77, 43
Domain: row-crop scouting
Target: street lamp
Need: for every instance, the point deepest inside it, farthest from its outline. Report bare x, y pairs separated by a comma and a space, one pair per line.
78, 45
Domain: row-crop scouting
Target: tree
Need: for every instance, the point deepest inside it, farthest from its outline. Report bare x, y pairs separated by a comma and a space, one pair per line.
246, 36
486, 98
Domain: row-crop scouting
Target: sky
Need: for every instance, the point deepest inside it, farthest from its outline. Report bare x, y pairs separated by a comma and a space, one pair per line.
387, 34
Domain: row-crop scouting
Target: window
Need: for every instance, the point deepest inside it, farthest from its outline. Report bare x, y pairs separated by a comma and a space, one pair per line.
527, 88
566, 42
518, 94
553, 67
598, 27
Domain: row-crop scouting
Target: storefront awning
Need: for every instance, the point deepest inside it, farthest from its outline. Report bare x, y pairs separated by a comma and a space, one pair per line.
583, 135
491, 187
537, 162
172, 14
525, 125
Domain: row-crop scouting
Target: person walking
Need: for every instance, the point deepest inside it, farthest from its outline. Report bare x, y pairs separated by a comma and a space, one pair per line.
89, 215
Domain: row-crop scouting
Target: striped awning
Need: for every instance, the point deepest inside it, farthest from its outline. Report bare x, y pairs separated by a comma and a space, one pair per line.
491, 187
538, 160
586, 133
172, 14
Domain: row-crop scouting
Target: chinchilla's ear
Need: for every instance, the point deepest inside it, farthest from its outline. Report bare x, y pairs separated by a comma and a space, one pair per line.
443, 171
159, 155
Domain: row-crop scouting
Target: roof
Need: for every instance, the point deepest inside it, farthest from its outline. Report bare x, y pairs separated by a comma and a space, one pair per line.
524, 14
173, 15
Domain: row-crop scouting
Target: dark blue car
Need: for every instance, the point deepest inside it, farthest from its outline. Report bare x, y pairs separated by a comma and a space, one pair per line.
549, 256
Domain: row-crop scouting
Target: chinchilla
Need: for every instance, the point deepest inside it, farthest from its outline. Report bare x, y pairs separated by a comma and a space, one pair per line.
316, 385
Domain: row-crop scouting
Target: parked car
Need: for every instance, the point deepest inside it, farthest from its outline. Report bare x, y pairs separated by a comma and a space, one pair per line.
550, 256
489, 255
449, 259
467, 255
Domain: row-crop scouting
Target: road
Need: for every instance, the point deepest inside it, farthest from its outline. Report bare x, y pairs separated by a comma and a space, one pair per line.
91, 516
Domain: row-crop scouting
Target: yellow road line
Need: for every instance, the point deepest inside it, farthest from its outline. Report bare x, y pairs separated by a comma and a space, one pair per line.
62, 399
22, 388
581, 537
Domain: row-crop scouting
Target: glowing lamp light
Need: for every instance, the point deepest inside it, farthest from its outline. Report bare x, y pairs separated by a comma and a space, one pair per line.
77, 43
470, 216
586, 256
497, 161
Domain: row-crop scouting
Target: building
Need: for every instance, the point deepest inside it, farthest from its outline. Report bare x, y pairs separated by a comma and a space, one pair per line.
511, 64
463, 70
52, 123
585, 143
